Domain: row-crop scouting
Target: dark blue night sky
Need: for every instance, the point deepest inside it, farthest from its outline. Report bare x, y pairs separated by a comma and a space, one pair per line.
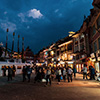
41, 22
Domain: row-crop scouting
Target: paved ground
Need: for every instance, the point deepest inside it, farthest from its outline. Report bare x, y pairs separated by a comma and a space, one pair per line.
77, 90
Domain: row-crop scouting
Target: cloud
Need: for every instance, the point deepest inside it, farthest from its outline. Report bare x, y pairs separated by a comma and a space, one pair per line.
6, 24
22, 16
34, 13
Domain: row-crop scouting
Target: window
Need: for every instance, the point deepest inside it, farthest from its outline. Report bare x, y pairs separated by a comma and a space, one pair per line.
82, 46
95, 46
82, 36
76, 48
99, 42
94, 30
76, 39
98, 22
70, 47
62, 49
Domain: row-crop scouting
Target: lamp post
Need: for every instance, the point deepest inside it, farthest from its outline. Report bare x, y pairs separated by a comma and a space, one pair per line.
13, 43
18, 45
6, 42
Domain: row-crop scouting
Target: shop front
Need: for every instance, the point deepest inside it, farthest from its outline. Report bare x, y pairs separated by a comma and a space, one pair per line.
79, 67
95, 61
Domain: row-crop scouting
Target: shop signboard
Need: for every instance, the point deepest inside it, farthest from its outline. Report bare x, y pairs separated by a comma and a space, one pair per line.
93, 55
98, 58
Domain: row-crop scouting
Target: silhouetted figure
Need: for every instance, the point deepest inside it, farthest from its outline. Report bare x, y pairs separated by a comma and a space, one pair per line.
9, 73
64, 74
59, 75
4, 71
69, 73
85, 71
14, 70
24, 72
74, 71
48, 76
38, 77
92, 73
29, 71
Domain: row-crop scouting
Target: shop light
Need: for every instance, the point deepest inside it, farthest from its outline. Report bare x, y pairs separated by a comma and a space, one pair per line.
52, 59
65, 55
58, 64
62, 62
52, 52
98, 58
71, 57
93, 59
70, 62
58, 59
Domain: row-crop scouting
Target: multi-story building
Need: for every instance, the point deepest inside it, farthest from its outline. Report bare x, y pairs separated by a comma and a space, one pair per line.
94, 26
83, 47
65, 52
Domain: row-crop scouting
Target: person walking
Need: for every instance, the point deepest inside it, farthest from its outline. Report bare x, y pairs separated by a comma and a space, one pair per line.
59, 75
64, 74
48, 76
29, 71
92, 73
85, 71
14, 70
69, 73
4, 71
9, 73
38, 77
74, 71
24, 73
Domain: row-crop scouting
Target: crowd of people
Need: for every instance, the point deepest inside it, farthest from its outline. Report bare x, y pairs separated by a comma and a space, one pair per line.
48, 74
11, 71
26, 72
91, 73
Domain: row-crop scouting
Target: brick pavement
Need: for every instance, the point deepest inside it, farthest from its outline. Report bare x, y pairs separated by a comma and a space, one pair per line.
77, 90
76, 82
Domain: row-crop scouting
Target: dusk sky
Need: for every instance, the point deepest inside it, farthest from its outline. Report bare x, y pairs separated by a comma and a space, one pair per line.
41, 22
